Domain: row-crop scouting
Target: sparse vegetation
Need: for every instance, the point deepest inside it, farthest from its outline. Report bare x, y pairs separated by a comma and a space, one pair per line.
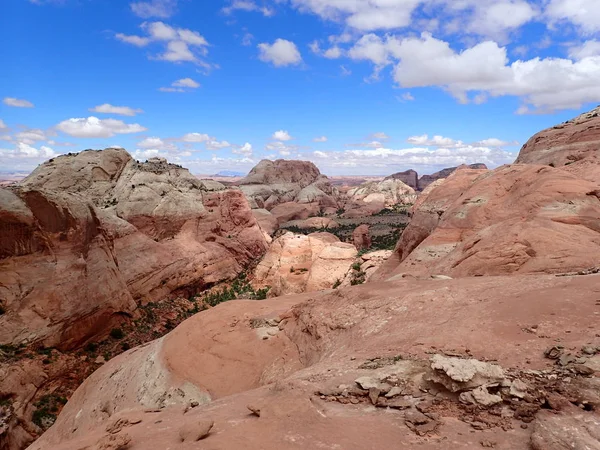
47, 409
336, 284
116, 333
240, 288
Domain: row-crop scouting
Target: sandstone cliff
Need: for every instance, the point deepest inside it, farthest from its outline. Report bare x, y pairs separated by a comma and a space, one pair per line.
87, 237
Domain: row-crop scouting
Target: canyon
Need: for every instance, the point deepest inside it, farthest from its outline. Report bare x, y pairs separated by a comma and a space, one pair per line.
457, 310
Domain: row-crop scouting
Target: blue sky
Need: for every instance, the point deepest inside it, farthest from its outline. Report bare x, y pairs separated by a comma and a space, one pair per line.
357, 86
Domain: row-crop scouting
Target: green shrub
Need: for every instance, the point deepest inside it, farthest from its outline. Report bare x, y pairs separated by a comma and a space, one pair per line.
336, 284
117, 333
356, 266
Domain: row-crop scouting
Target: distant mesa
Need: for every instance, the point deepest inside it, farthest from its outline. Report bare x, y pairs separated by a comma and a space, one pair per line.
229, 173
411, 177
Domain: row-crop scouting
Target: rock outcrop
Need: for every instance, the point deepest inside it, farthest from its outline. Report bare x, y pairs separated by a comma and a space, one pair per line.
519, 218
572, 146
409, 177
382, 194
298, 263
283, 182
74, 232
361, 237
426, 180
358, 367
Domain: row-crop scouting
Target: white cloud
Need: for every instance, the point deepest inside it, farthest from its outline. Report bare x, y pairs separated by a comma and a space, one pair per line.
245, 150
31, 136
484, 70
380, 136
247, 39
584, 14
281, 53
407, 97
156, 143
320, 139
92, 127
182, 85
17, 102
138, 41
333, 53
281, 135
281, 148
585, 50
435, 141
181, 44
186, 82
26, 151
385, 161
107, 108
216, 145
195, 137
247, 5
3, 125
154, 8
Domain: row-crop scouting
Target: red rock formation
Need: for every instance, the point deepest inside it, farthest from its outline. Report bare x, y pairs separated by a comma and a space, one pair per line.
426, 180
572, 146
408, 177
73, 234
308, 369
361, 237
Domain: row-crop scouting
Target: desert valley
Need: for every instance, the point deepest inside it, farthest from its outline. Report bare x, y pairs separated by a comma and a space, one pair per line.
145, 308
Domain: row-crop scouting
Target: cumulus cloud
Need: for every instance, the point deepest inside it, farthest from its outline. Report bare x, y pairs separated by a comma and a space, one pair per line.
216, 145
494, 142
483, 70
182, 85
195, 137
162, 9
92, 127
584, 14
281, 135
435, 141
181, 44
280, 53
282, 148
31, 135
247, 5
245, 149
107, 108
17, 102
320, 139
156, 143
380, 136
586, 50
24, 156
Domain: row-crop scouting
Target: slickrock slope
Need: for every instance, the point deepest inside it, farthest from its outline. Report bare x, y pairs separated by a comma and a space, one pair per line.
359, 368
426, 180
85, 237
297, 187
572, 146
298, 263
519, 218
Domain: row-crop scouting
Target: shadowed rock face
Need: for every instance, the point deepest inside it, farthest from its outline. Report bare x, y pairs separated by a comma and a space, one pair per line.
87, 237
408, 177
